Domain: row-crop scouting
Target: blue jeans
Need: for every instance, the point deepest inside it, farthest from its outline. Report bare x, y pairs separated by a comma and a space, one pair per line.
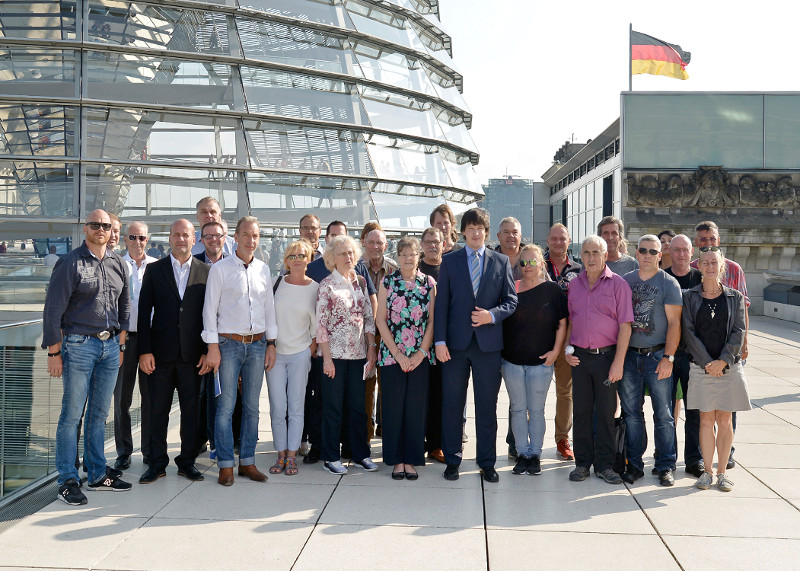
527, 387
640, 371
245, 360
89, 378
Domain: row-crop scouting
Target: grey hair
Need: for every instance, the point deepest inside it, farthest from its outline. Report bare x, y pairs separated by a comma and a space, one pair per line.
648, 238
594, 238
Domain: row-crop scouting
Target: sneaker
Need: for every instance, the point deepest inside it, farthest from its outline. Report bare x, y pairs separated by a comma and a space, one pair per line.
704, 481
70, 493
212, 455
665, 478
723, 483
335, 468
579, 474
110, 482
731, 463
367, 464
521, 466
610, 476
564, 450
534, 466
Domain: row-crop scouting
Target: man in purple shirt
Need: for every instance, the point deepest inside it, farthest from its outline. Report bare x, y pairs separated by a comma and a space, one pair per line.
601, 312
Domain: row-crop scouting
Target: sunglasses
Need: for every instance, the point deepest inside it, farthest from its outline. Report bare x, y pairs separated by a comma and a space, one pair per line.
710, 249
293, 257
524, 263
106, 226
650, 251
134, 237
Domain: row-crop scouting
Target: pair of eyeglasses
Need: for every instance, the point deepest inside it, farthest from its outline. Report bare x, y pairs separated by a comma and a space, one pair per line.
134, 237
106, 226
710, 249
293, 257
651, 251
524, 263
432, 242
212, 236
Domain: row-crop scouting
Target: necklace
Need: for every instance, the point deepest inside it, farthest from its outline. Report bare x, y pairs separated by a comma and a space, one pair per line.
713, 309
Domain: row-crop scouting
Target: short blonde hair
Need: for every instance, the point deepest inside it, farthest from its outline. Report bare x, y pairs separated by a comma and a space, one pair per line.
330, 251
537, 252
301, 245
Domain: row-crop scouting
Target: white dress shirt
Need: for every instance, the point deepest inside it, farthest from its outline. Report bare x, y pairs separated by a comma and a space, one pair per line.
181, 273
135, 275
238, 300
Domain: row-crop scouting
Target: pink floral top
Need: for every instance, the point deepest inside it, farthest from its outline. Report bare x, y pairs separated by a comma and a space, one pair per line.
345, 316
407, 311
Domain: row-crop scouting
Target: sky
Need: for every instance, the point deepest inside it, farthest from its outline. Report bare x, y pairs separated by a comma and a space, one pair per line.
538, 73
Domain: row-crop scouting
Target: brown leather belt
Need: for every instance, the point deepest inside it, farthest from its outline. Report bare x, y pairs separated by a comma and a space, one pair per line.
252, 338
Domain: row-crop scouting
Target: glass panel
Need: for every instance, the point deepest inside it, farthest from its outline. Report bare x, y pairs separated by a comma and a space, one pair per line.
393, 68
43, 20
399, 159
145, 79
461, 172
36, 189
288, 147
400, 114
782, 128
590, 196
410, 210
302, 96
34, 73
685, 131
284, 199
154, 191
131, 134
159, 27
459, 135
383, 24
40, 130
291, 45
307, 10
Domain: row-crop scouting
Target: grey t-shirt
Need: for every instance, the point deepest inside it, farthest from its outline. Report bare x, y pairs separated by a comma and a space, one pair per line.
649, 298
624, 265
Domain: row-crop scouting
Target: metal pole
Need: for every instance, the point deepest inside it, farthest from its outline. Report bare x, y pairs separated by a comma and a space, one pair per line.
630, 58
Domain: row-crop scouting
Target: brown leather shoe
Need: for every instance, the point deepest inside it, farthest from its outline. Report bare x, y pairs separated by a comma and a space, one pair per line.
437, 455
252, 472
225, 476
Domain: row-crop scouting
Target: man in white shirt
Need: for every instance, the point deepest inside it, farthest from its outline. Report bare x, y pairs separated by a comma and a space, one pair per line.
240, 329
136, 237
209, 210
51, 258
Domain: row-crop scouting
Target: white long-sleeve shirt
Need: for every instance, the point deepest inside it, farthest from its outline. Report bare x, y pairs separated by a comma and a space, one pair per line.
135, 276
238, 300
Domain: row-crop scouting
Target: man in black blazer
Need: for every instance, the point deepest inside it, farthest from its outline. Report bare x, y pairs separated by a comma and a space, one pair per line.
171, 350
475, 293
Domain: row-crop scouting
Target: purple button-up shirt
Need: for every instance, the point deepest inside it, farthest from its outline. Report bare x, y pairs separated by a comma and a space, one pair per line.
597, 312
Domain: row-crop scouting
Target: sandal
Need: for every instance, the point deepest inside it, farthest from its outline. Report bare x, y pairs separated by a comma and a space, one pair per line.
291, 466
278, 467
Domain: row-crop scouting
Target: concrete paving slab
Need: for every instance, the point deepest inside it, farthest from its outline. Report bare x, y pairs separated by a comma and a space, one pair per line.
768, 455
734, 553
782, 480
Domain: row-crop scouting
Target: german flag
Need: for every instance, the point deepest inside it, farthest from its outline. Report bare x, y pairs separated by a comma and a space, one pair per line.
653, 56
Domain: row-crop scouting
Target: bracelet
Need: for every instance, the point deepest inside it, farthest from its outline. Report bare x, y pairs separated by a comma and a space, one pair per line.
56, 354
327, 362
373, 344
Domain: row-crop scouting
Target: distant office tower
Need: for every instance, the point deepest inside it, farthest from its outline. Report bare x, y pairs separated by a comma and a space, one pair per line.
521, 198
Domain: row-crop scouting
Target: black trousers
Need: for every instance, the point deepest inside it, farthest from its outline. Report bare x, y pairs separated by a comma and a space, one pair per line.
486, 381
433, 432
166, 378
404, 414
346, 388
312, 414
123, 397
691, 428
593, 442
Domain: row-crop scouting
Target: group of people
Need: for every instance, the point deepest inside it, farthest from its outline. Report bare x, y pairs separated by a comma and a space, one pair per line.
338, 330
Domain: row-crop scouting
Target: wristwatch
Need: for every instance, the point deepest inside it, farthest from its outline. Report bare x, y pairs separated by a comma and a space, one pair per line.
670, 358
270, 342
122, 347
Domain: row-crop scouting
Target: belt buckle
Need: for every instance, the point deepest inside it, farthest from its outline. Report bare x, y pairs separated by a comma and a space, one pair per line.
103, 335
246, 340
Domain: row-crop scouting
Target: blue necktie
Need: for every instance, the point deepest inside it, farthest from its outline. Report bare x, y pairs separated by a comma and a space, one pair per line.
475, 272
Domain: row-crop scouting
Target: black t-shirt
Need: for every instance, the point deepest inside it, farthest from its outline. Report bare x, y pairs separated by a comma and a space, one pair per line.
531, 330
429, 270
693, 278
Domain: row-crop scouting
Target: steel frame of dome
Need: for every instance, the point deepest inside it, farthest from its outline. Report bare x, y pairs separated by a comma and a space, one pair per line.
351, 109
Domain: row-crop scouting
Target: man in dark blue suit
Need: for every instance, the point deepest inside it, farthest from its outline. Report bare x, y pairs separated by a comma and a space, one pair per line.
475, 293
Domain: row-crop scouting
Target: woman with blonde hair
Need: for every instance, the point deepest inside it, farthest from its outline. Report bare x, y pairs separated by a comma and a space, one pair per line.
295, 297
713, 330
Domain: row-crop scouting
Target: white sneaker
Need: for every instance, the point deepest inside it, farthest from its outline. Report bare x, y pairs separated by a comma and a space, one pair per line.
704, 481
335, 468
367, 464
723, 483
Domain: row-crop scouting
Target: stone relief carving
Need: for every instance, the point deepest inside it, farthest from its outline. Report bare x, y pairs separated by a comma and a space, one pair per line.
712, 187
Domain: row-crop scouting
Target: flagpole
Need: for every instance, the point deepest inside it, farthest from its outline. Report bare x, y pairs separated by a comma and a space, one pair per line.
630, 58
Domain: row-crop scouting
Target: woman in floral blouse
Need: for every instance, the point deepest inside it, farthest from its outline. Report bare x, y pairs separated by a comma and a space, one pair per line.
346, 337
405, 322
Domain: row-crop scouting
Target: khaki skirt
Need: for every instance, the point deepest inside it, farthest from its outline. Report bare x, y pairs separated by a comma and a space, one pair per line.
728, 392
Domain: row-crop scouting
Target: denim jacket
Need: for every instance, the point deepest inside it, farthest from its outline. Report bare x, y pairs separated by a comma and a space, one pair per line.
732, 353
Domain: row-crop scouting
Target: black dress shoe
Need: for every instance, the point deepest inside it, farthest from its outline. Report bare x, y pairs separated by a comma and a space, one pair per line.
191, 473
412, 476
451, 472
151, 475
665, 478
123, 462
490, 475
731, 463
398, 475
312, 457
631, 475
696, 470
